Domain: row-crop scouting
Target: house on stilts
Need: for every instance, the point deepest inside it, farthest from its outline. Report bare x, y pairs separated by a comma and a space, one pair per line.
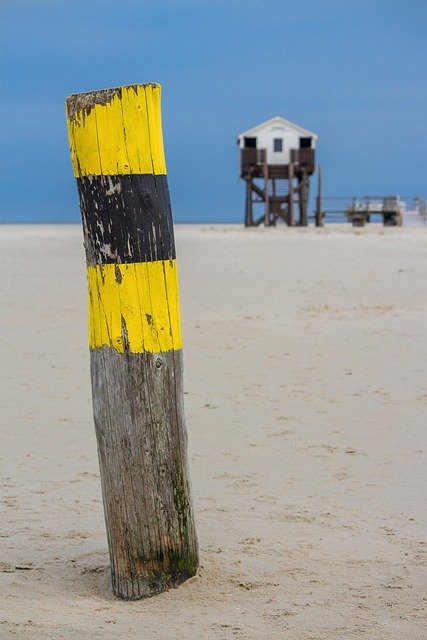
277, 159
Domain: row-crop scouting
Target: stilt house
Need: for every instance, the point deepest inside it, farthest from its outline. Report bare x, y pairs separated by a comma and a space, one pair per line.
277, 158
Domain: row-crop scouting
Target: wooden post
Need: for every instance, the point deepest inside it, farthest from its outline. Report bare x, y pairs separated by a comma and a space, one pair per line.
134, 337
319, 212
291, 221
249, 220
267, 216
303, 198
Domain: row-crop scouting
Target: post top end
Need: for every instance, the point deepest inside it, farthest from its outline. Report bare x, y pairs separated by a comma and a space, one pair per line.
86, 101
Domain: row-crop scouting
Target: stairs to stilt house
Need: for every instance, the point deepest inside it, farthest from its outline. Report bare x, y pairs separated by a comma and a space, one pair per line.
278, 194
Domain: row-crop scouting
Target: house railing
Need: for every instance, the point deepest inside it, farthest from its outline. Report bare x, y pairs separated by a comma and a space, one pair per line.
304, 158
252, 158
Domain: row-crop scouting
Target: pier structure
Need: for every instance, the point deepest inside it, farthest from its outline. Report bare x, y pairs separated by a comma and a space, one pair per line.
392, 211
359, 212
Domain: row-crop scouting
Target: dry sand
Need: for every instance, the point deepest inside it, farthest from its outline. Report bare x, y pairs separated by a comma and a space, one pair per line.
306, 365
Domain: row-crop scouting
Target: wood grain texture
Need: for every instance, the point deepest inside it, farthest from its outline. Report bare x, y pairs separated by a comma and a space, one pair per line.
142, 445
134, 306
135, 343
116, 131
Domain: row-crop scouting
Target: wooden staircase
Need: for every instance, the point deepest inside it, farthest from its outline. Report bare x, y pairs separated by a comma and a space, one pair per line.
278, 194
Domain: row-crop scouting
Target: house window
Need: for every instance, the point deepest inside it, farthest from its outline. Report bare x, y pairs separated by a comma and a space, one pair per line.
278, 145
305, 143
250, 143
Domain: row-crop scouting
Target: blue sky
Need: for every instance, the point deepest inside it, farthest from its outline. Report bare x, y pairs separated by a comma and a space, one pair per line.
353, 71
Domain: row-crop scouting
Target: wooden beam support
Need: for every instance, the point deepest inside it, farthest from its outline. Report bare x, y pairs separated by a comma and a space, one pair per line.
303, 198
267, 217
249, 221
319, 216
291, 196
260, 192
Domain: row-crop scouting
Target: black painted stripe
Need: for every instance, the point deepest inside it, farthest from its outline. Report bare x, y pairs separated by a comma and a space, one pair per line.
127, 218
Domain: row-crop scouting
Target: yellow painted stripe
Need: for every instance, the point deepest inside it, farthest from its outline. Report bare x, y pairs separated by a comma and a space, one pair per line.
122, 136
136, 302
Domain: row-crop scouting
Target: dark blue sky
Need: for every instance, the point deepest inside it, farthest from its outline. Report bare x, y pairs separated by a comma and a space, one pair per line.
353, 71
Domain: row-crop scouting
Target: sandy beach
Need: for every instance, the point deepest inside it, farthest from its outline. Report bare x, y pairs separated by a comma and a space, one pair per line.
305, 357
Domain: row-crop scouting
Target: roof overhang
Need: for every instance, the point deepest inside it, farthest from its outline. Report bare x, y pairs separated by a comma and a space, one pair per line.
279, 121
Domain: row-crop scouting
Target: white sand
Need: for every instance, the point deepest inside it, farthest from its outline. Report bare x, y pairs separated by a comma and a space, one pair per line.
306, 366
